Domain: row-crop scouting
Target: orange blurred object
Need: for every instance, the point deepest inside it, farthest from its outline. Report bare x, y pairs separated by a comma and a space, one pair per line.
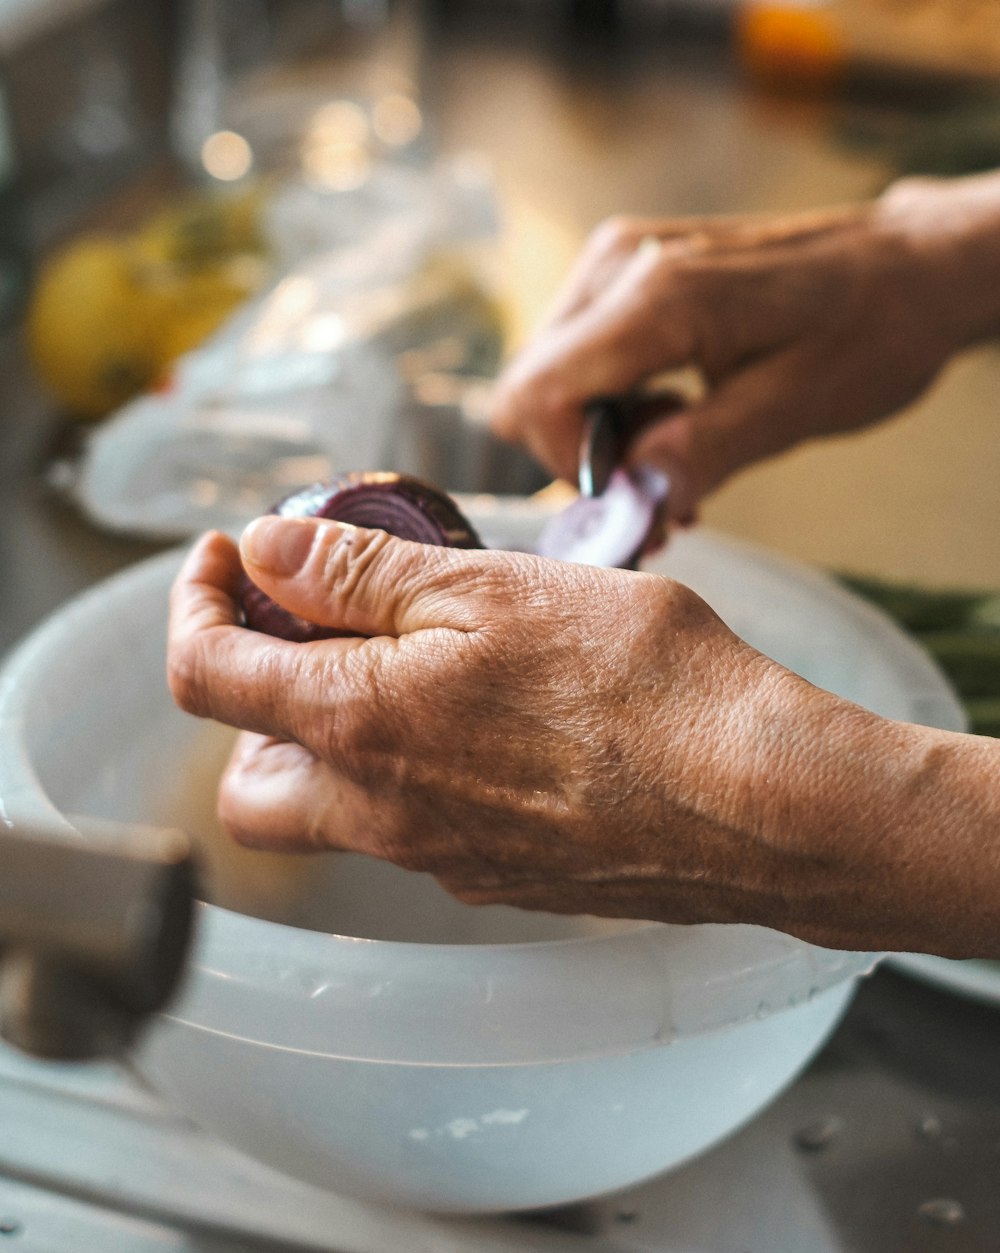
791, 42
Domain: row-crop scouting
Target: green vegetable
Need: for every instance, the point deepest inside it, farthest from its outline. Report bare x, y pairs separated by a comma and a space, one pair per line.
970, 659
915, 608
987, 613
960, 630
984, 715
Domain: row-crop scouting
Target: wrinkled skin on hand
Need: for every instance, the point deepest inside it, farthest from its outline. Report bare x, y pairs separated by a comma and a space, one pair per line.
802, 325
559, 737
530, 732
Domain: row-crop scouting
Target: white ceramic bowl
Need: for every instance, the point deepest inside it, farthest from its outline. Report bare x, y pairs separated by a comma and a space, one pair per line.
394, 1044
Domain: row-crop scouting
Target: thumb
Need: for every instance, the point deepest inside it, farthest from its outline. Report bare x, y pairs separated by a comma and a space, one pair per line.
363, 581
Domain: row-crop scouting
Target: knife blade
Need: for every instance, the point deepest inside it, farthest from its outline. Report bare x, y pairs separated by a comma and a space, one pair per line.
606, 425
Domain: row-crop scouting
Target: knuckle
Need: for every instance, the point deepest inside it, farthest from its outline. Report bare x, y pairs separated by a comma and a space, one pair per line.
350, 732
267, 694
344, 561
355, 554
665, 597
555, 394
505, 415
912, 187
351, 723
616, 234
186, 676
674, 276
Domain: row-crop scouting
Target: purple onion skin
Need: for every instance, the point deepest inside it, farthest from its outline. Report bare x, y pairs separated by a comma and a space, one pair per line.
397, 503
613, 529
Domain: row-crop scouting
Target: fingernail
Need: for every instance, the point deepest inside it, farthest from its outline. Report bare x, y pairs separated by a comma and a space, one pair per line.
279, 546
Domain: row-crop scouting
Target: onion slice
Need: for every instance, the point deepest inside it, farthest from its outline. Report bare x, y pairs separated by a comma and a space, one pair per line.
610, 529
397, 503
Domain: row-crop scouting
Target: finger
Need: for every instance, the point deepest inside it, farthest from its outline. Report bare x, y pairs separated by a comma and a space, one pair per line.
369, 582
606, 250
277, 795
754, 232
327, 695
205, 590
614, 241
217, 669
637, 328
752, 415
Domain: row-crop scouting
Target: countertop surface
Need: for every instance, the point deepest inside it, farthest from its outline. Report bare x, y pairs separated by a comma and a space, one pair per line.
890, 1143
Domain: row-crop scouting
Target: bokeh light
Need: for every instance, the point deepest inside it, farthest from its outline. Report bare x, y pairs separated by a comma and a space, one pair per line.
397, 120
226, 156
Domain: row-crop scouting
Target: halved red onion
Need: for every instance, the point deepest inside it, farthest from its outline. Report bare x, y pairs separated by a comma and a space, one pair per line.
610, 529
397, 503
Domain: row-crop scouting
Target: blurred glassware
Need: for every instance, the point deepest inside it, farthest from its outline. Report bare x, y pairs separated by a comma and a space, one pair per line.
211, 46
245, 72
87, 85
13, 246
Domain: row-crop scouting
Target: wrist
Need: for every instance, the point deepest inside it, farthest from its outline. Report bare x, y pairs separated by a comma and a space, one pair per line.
809, 795
947, 235
891, 831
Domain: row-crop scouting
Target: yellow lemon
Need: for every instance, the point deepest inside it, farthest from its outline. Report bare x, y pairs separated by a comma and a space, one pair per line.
195, 302
92, 326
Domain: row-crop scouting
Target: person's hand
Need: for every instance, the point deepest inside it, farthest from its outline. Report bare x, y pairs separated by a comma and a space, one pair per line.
801, 326
558, 737
529, 732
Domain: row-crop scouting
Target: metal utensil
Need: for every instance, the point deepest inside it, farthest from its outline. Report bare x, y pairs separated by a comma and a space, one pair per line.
611, 422
93, 936
606, 423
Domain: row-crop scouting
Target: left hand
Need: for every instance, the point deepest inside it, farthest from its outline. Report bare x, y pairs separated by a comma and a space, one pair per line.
564, 738
530, 732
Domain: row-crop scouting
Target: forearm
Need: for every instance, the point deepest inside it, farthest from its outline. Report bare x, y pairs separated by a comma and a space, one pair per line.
889, 834
950, 230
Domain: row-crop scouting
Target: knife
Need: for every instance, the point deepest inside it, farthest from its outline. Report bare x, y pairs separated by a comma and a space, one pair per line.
602, 442
610, 522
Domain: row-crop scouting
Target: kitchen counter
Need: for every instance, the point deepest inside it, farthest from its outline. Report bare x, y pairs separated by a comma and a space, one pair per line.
890, 1143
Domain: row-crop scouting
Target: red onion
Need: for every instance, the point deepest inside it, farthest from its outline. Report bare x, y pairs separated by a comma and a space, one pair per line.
396, 503
610, 529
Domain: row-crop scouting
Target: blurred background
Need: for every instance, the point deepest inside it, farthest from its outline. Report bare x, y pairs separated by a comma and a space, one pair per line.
245, 243
211, 208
